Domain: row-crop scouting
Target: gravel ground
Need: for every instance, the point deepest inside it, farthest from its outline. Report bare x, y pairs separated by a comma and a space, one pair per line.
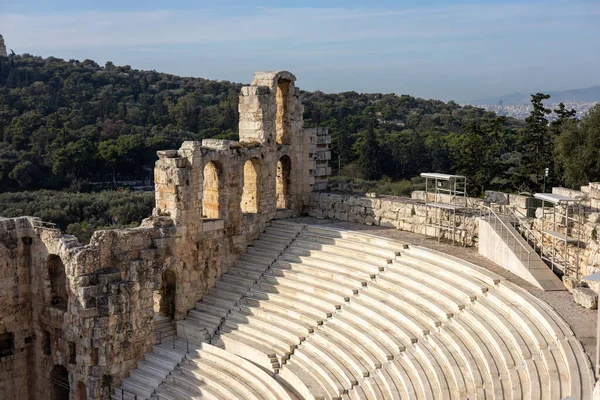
582, 321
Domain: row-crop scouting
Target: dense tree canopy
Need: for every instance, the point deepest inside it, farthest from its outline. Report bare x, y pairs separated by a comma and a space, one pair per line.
64, 124
578, 149
80, 214
414, 135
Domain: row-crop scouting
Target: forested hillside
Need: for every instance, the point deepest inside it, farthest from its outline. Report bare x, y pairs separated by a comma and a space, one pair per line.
80, 214
64, 124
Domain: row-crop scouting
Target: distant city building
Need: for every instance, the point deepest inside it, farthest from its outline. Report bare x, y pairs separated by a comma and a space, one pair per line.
522, 111
500, 103
2, 47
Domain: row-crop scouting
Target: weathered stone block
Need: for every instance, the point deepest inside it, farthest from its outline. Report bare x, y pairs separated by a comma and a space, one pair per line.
496, 197
166, 154
585, 297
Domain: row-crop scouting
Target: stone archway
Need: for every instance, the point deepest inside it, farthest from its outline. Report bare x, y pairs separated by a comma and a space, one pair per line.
165, 295
60, 383
282, 121
81, 391
211, 201
59, 295
251, 192
283, 185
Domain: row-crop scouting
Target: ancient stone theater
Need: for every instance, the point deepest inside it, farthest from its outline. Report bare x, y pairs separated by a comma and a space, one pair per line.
253, 279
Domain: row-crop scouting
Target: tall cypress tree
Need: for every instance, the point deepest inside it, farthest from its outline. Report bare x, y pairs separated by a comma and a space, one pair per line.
565, 117
536, 143
369, 159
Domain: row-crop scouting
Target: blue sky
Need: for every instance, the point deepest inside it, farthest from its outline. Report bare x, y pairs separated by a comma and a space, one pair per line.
439, 49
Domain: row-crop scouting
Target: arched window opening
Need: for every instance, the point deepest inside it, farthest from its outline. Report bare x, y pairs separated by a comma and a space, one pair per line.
7, 344
47, 343
81, 391
72, 353
60, 383
58, 282
251, 191
284, 169
211, 205
164, 295
283, 135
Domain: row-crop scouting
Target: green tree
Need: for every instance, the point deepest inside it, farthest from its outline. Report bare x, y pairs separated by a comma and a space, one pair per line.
468, 149
536, 143
369, 158
185, 113
563, 115
578, 149
108, 152
25, 173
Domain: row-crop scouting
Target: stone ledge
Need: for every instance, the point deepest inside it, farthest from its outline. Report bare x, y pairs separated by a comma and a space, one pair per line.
166, 154
216, 144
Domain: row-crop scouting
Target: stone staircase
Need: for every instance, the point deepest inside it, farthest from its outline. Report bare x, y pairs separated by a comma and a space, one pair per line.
164, 328
317, 313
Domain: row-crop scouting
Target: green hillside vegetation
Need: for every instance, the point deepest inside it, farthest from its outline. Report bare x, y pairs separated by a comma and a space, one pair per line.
80, 214
64, 123
67, 124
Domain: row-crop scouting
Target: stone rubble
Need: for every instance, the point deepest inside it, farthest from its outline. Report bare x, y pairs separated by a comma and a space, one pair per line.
585, 297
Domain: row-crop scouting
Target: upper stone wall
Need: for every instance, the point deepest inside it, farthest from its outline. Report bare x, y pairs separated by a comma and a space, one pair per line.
271, 111
15, 310
401, 213
90, 308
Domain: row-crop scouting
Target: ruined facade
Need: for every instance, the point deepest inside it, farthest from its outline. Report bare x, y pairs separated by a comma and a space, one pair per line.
75, 319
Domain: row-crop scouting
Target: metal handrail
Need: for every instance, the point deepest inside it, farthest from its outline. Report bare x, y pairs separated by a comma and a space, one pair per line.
125, 390
504, 227
536, 237
529, 232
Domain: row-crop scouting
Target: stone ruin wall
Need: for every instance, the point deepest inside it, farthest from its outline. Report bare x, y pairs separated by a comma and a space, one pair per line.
589, 231
15, 312
589, 249
101, 322
402, 213
212, 198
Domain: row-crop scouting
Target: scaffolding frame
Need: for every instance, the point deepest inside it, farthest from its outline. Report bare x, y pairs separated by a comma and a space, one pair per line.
452, 188
565, 222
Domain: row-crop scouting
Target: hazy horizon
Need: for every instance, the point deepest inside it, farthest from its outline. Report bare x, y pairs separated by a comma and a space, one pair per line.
443, 50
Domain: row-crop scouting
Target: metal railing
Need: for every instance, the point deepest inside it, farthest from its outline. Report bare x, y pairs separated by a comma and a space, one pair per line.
174, 338
504, 225
123, 391
535, 239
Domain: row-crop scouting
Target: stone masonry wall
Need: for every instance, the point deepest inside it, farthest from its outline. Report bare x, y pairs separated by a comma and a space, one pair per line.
398, 212
90, 309
15, 313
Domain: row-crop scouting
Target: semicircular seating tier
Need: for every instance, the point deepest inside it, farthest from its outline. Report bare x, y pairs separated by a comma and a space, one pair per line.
311, 312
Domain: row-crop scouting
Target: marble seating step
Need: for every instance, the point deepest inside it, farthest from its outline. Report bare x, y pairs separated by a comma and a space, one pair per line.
323, 313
